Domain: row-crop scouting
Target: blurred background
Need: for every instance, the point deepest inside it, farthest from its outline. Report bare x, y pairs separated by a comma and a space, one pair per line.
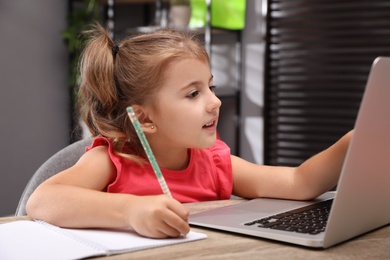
35, 97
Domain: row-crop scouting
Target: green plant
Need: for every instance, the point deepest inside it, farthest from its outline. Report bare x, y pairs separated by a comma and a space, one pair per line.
84, 12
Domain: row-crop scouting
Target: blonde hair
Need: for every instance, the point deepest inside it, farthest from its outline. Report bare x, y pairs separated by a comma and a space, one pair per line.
114, 77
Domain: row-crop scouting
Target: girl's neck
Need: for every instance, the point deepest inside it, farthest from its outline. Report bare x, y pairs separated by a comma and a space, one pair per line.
172, 159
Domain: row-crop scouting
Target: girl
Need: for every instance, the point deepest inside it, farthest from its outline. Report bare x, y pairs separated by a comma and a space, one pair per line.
165, 76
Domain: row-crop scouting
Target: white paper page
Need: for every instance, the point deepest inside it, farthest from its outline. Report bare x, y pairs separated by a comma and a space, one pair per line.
126, 240
40, 240
29, 240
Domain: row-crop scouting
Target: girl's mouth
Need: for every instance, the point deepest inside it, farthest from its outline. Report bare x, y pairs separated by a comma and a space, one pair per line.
209, 125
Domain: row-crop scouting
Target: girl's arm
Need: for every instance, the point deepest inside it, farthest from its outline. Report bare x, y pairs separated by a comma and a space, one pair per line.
75, 198
312, 178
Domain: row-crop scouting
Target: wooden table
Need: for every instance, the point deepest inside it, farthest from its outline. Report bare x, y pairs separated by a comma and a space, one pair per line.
221, 245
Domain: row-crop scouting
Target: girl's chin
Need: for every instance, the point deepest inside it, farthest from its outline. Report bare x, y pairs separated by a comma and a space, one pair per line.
209, 144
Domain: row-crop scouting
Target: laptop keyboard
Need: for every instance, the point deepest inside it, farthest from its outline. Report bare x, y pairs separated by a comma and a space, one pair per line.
309, 219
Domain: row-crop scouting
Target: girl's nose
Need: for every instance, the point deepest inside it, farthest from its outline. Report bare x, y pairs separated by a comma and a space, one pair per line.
214, 103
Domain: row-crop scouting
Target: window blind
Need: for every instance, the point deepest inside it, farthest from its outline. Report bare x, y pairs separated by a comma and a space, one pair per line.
317, 61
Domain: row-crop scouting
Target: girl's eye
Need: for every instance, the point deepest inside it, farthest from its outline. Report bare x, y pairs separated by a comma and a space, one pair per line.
193, 94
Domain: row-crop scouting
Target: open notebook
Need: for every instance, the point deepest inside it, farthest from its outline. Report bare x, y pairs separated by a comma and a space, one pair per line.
361, 202
39, 240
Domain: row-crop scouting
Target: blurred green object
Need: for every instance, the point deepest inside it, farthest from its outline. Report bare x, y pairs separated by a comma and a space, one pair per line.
226, 14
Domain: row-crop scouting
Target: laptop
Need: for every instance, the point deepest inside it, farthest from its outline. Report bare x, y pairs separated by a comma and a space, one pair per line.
359, 205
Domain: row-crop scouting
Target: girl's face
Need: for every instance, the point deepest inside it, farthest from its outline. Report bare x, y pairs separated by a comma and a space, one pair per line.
187, 108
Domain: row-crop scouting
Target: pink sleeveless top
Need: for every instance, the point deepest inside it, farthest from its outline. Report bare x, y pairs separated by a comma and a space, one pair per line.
208, 176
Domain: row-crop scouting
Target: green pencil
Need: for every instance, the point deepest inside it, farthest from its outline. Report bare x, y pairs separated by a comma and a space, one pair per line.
148, 151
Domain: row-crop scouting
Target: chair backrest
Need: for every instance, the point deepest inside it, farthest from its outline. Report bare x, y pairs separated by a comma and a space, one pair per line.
60, 161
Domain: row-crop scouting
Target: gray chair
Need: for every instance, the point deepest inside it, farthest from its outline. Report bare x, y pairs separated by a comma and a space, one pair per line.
60, 161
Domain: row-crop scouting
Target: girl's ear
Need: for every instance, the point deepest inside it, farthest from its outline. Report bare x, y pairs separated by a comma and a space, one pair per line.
146, 123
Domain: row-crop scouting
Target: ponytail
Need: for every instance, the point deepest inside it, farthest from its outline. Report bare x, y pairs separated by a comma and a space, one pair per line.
98, 93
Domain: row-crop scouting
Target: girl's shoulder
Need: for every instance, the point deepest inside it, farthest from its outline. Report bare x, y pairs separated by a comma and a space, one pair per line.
99, 141
219, 146
220, 152
105, 144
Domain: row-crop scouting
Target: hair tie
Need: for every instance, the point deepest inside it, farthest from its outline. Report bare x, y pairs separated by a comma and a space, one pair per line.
115, 50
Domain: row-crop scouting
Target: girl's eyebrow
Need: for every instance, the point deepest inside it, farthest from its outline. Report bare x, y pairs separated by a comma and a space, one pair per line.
196, 83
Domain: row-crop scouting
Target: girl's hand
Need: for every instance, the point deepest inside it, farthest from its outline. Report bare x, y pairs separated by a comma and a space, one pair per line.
158, 217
